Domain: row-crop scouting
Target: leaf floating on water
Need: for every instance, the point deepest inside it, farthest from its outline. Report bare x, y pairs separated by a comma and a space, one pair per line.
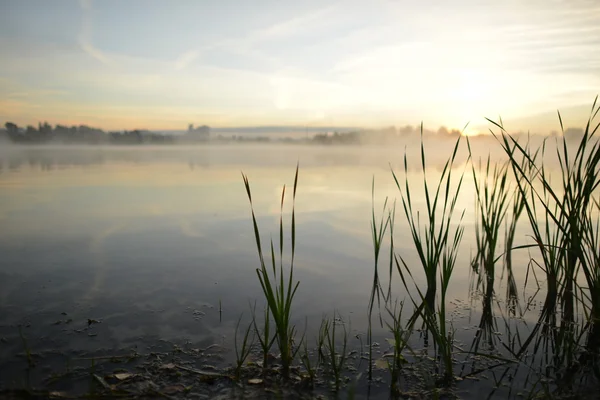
255, 381
382, 363
123, 376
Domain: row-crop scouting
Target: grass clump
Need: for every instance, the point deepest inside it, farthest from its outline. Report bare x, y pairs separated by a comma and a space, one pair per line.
279, 286
563, 218
437, 244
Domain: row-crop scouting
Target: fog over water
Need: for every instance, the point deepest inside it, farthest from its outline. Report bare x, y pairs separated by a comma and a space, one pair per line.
148, 240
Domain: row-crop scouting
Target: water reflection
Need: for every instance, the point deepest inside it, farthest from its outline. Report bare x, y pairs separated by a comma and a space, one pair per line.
149, 241
48, 157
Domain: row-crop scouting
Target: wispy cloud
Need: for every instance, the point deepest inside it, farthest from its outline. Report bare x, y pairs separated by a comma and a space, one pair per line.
36, 94
186, 59
249, 44
85, 35
354, 61
297, 24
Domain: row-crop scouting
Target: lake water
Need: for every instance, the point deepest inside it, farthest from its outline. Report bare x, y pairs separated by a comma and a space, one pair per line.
156, 244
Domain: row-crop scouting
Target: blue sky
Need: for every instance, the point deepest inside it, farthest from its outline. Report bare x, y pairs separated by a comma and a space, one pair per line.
161, 64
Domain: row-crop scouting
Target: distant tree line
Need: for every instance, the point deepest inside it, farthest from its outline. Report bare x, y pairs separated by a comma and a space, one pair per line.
45, 133
382, 136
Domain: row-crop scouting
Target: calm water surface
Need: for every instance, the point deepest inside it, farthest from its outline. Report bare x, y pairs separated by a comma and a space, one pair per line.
149, 241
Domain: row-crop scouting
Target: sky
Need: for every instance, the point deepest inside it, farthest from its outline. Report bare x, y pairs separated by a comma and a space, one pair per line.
161, 64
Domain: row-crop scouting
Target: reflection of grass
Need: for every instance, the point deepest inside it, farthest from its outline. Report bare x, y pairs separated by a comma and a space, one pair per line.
378, 230
518, 205
242, 352
399, 340
264, 338
278, 292
333, 355
492, 200
305, 358
28, 355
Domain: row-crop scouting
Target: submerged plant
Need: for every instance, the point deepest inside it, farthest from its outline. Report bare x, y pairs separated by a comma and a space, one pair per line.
279, 290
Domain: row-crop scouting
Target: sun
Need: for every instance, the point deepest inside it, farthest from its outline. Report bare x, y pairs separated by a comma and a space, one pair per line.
470, 86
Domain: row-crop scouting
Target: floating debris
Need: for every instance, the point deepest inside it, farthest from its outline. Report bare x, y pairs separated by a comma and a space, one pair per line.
123, 376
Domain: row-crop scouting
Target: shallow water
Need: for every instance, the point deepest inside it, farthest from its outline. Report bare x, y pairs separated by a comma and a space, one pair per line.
156, 244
